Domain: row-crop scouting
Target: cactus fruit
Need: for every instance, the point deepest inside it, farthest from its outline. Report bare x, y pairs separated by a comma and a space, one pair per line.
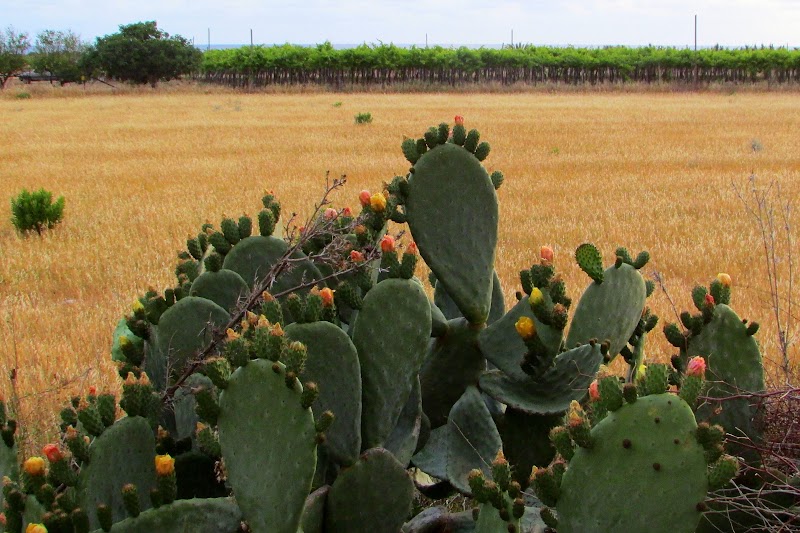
258, 397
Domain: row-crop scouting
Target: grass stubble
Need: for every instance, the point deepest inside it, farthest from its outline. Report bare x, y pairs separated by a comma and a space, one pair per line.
141, 171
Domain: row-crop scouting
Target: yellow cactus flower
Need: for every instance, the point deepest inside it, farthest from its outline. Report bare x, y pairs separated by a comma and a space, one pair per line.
130, 379
34, 466
35, 528
231, 335
724, 279
144, 379
536, 296
327, 297
641, 371
267, 296
377, 202
137, 306
263, 322
165, 465
276, 330
525, 327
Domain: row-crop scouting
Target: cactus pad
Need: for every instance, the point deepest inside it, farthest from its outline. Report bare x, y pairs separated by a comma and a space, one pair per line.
355, 506
214, 515
451, 310
391, 333
610, 310
123, 454
224, 287
270, 476
646, 472
402, 441
452, 213
590, 261
568, 379
332, 364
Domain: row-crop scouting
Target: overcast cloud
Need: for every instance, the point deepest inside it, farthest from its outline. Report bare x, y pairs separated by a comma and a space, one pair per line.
589, 22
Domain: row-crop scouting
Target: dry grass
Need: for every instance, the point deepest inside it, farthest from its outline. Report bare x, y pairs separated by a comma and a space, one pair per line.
140, 171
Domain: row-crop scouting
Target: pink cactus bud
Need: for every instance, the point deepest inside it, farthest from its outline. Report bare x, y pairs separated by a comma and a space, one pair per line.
546, 253
710, 300
459, 120
356, 256
696, 367
412, 248
92, 391
364, 197
330, 213
387, 244
594, 391
347, 212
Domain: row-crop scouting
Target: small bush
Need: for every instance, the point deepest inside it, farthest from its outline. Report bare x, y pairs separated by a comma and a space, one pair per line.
337, 104
23, 96
35, 211
363, 118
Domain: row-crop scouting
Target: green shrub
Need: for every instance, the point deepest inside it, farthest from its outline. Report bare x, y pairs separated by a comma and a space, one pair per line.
363, 118
23, 96
337, 104
35, 211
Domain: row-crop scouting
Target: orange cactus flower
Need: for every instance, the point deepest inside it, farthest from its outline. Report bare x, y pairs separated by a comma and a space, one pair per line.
459, 120
364, 197
724, 279
696, 367
34, 466
546, 253
387, 244
377, 202
525, 327
594, 391
165, 465
356, 256
92, 390
35, 528
53, 453
710, 300
327, 297
412, 248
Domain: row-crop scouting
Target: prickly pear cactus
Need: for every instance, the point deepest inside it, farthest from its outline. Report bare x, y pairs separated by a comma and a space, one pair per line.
215, 515
647, 453
447, 187
270, 476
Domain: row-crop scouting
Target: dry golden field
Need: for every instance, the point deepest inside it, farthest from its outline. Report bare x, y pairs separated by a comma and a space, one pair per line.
141, 171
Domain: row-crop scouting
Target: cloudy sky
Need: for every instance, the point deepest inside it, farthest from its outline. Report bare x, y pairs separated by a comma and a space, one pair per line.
587, 22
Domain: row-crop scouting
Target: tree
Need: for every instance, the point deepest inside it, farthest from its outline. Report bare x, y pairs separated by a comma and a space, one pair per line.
58, 53
141, 53
13, 46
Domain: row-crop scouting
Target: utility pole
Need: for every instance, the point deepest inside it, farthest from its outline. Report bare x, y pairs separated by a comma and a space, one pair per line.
695, 33
512, 37
251, 37
426, 40
209, 39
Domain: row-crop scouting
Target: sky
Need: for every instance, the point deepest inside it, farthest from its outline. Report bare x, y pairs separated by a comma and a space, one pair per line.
445, 22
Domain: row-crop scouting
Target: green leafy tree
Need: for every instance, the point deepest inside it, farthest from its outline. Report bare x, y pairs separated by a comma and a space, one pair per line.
142, 53
58, 53
13, 46
35, 211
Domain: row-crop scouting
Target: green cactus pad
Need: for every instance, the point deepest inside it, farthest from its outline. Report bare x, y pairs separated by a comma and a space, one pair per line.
332, 363
438, 520
432, 459
225, 288
590, 261
734, 365
473, 440
184, 405
451, 310
213, 515
567, 380
610, 310
253, 257
402, 441
185, 328
124, 453
645, 473
354, 506
122, 330
526, 441
270, 476
438, 321
391, 334
453, 215
313, 520
504, 348
9, 464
